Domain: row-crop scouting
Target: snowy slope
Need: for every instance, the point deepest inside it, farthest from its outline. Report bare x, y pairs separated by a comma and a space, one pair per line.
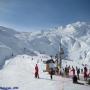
10, 45
19, 72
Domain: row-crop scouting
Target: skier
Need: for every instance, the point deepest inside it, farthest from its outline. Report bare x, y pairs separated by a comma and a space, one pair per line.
85, 73
82, 71
75, 81
73, 70
62, 72
36, 71
78, 72
57, 70
51, 73
66, 70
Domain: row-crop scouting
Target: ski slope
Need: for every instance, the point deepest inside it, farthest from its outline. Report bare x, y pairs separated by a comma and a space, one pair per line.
19, 72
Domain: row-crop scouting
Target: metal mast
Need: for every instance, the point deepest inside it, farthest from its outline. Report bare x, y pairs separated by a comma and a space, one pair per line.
61, 53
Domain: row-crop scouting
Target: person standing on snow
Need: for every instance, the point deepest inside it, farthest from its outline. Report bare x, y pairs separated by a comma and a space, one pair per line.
36, 71
51, 73
73, 70
66, 70
85, 73
78, 72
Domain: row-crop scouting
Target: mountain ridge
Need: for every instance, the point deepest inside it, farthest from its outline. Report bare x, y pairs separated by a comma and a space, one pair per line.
73, 37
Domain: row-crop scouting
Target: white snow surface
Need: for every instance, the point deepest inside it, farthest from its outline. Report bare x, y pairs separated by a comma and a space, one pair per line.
19, 72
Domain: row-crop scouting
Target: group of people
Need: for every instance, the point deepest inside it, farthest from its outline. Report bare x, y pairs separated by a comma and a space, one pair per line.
86, 75
66, 71
76, 71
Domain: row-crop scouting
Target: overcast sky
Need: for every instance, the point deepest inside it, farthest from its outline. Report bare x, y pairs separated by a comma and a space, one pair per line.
40, 14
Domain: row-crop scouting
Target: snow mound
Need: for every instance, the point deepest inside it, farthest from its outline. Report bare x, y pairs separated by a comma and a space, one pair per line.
20, 69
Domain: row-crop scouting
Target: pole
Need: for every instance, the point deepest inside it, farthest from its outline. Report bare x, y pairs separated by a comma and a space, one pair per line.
60, 56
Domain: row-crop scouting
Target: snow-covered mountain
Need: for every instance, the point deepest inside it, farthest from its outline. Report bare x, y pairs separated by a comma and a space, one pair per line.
10, 45
74, 38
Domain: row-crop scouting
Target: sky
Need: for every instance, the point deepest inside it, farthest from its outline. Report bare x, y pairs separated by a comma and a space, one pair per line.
29, 15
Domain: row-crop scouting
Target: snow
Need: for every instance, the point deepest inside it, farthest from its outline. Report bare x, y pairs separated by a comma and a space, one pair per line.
11, 45
19, 72
20, 51
5, 53
74, 39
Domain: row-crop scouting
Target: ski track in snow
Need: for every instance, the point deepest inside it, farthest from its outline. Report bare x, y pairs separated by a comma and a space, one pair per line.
19, 72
